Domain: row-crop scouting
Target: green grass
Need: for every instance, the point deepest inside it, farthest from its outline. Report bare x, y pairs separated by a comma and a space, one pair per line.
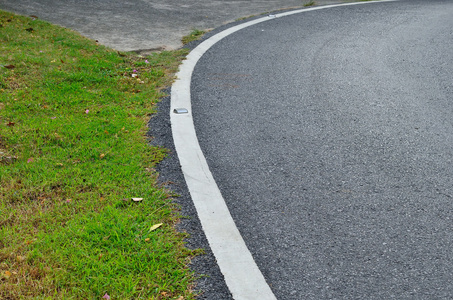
310, 3
193, 36
73, 151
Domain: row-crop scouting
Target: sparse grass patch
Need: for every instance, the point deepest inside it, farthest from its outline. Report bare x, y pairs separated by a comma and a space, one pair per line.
193, 36
310, 3
73, 151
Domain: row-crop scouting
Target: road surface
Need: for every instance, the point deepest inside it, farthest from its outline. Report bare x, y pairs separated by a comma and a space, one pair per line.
330, 136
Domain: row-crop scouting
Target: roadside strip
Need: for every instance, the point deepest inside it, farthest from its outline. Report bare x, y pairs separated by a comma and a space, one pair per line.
241, 273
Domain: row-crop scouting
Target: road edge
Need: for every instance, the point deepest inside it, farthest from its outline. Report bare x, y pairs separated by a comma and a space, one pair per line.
242, 275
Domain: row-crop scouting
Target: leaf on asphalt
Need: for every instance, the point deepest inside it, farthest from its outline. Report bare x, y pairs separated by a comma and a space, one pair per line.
154, 227
137, 199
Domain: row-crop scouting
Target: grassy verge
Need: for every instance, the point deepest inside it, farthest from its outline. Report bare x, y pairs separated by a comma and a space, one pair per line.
73, 152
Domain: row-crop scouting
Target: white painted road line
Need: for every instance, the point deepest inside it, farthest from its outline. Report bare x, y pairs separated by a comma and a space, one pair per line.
236, 263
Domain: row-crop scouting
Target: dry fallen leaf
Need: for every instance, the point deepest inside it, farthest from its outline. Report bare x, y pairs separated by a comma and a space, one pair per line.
7, 274
9, 124
10, 66
147, 239
20, 258
102, 155
154, 227
137, 199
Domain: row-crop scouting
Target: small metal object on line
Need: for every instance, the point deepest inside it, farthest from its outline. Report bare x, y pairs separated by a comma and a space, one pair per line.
180, 111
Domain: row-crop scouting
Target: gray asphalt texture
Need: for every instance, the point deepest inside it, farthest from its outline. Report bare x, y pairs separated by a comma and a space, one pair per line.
330, 136
144, 25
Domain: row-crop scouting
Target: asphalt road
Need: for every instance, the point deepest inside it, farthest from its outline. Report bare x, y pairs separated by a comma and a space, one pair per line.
330, 136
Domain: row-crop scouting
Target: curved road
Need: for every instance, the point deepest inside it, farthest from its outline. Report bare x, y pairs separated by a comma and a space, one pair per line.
330, 135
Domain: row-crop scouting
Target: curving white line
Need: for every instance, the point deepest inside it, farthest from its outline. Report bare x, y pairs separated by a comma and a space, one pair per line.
236, 263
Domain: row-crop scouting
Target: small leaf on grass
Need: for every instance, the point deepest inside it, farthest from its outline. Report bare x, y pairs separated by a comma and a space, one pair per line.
137, 199
30, 29
10, 124
106, 296
7, 274
10, 66
102, 156
154, 227
30, 160
147, 239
